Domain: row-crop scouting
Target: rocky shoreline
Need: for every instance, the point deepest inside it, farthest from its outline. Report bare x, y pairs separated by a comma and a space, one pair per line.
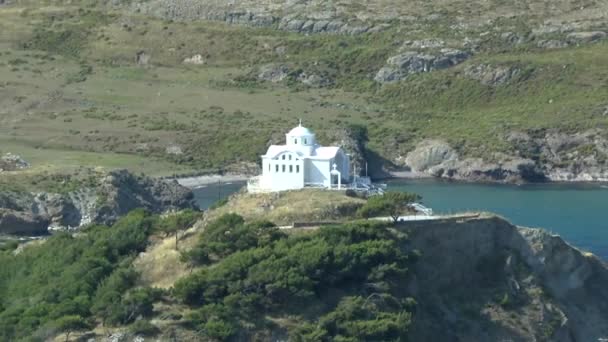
115, 194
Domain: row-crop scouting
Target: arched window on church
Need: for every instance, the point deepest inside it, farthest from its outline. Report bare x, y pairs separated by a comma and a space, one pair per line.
276, 169
295, 141
290, 157
305, 141
290, 168
283, 168
297, 168
283, 157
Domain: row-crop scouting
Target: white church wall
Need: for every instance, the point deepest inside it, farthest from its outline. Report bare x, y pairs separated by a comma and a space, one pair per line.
285, 174
317, 172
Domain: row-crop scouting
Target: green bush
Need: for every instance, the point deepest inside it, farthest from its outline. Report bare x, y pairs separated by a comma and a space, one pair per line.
392, 203
258, 270
75, 276
143, 327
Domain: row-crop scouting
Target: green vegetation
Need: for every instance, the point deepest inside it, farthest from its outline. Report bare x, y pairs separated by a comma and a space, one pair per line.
392, 203
347, 275
66, 282
176, 222
109, 103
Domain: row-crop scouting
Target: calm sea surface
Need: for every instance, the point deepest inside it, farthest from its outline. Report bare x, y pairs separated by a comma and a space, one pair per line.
578, 212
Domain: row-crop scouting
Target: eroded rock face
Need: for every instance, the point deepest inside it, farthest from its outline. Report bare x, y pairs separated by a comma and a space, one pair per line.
429, 154
118, 193
22, 223
401, 66
549, 156
122, 192
567, 157
354, 144
437, 159
558, 292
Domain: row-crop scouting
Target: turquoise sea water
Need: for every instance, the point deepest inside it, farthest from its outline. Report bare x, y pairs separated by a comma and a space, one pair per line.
577, 212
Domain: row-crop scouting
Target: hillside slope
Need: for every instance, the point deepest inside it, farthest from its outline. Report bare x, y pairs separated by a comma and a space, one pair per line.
516, 90
455, 279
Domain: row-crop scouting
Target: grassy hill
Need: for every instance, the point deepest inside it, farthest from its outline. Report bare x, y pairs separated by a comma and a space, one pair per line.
72, 81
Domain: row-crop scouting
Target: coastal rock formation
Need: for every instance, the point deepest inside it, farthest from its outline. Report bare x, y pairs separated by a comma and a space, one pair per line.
437, 159
566, 157
428, 154
412, 62
352, 140
21, 223
117, 193
501, 269
552, 155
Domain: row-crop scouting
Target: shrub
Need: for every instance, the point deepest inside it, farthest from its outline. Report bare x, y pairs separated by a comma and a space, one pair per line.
258, 269
143, 327
392, 203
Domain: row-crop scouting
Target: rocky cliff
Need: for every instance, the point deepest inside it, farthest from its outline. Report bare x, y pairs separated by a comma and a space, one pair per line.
535, 156
483, 279
115, 194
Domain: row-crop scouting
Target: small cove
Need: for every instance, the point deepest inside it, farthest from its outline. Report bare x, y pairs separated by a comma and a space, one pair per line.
577, 212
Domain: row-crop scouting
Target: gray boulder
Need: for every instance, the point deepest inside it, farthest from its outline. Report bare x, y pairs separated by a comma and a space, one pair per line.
273, 72
586, 37
12, 162
411, 62
491, 75
428, 154
314, 80
551, 44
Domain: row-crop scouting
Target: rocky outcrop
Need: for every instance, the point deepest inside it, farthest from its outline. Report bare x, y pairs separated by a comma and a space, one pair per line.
548, 156
585, 37
12, 162
492, 75
277, 72
429, 154
557, 292
353, 140
437, 159
401, 66
273, 73
566, 157
255, 15
117, 193
22, 223
121, 192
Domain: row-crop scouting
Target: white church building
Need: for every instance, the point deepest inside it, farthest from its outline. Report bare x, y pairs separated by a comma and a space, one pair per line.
300, 163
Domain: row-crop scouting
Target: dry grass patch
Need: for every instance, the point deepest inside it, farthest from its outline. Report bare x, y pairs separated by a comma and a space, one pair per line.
160, 265
284, 208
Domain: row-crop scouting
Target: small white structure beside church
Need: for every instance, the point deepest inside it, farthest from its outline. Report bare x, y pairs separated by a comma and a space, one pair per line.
300, 163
